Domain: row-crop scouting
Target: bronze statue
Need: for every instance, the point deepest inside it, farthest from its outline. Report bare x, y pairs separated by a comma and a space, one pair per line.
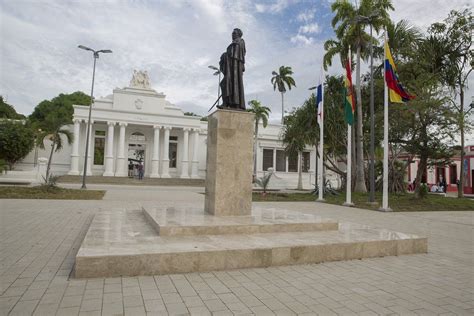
232, 66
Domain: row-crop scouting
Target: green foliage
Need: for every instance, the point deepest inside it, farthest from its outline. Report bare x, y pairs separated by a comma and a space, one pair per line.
50, 183
53, 129
16, 141
60, 105
351, 31
283, 77
191, 114
261, 112
3, 166
8, 112
423, 191
264, 181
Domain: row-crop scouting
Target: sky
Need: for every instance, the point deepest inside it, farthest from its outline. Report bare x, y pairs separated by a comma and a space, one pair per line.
175, 41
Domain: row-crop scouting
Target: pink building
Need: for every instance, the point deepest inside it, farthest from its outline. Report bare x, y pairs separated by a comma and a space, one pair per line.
450, 172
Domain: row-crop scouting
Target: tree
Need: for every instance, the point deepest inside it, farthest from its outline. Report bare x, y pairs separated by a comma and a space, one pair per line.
455, 62
16, 141
425, 127
293, 139
7, 111
62, 104
261, 114
52, 129
279, 79
350, 32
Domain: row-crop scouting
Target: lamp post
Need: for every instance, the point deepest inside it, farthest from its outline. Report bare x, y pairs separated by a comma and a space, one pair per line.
86, 157
369, 20
217, 73
316, 159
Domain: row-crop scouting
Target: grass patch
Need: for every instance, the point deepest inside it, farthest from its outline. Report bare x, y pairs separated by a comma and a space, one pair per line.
40, 192
398, 202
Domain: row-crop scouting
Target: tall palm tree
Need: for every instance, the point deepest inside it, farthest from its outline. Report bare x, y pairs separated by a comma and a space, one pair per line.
279, 79
349, 26
53, 130
261, 114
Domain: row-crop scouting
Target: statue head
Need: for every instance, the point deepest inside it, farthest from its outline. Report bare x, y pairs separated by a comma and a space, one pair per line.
237, 33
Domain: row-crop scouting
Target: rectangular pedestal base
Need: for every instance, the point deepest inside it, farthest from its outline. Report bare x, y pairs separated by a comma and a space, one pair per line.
122, 243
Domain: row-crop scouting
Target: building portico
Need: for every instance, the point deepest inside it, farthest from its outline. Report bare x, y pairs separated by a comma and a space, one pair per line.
137, 125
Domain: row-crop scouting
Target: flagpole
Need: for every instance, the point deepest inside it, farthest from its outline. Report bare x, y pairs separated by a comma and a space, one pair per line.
385, 207
349, 161
321, 144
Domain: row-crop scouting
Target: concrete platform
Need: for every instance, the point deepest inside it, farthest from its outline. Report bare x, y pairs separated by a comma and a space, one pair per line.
124, 243
190, 220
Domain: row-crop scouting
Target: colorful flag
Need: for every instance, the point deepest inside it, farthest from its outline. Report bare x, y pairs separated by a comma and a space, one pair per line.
349, 100
319, 104
396, 91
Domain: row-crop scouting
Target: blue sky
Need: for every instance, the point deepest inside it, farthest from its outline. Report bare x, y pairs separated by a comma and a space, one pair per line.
175, 41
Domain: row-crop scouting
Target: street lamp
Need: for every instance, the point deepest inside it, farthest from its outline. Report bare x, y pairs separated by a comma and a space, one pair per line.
316, 157
369, 20
96, 55
217, 73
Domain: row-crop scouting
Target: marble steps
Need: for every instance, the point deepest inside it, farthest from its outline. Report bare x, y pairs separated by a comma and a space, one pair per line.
169, 221
123, 243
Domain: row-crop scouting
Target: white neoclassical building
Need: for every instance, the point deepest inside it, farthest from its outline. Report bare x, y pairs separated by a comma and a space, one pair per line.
137, 124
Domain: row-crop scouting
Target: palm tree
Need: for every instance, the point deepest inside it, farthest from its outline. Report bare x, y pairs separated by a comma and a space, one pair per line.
349, 24
261, 114
279, 79
52, 130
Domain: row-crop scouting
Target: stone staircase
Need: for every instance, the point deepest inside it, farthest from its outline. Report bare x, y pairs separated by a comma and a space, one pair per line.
133, 181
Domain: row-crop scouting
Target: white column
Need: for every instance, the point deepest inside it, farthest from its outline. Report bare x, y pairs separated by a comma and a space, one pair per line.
165, 163
109, 158
184, 161
155, 160
90, 161
121, 170
75, 149
195, 161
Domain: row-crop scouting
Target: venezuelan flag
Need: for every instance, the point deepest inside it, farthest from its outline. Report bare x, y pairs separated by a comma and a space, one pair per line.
349, 100
396, 91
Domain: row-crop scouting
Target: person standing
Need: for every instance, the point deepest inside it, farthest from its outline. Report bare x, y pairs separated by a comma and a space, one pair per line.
130, 169
140, 171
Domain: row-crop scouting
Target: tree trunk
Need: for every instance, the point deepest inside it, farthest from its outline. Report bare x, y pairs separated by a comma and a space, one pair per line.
419, 174
49, 162
255, 151
282, 108
461, 127
300, 165
360, 178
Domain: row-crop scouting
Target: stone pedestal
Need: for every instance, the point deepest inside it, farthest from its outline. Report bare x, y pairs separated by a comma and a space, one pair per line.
229, 163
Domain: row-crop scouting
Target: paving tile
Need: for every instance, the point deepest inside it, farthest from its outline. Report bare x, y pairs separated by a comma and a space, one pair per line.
24, 307
34, 277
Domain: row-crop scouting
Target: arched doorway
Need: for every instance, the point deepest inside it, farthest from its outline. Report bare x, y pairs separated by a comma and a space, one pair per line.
136, 154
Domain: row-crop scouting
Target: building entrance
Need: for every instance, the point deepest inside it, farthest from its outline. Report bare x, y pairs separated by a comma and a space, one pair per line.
136, 155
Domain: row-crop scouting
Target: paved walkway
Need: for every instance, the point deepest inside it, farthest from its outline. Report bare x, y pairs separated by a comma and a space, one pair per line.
39, 239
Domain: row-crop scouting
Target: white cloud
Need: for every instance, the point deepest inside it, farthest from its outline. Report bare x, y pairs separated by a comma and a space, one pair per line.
306, 16
309, 28
301, 39
276, 7
175, 40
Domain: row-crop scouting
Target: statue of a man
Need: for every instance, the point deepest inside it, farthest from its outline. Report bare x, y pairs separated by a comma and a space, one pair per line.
232, 66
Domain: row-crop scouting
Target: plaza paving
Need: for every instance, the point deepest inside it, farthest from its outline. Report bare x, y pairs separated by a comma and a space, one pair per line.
39, 240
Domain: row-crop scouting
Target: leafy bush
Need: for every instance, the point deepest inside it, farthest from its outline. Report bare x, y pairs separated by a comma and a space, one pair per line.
423, 191
264, 181
16, 141
50, 184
